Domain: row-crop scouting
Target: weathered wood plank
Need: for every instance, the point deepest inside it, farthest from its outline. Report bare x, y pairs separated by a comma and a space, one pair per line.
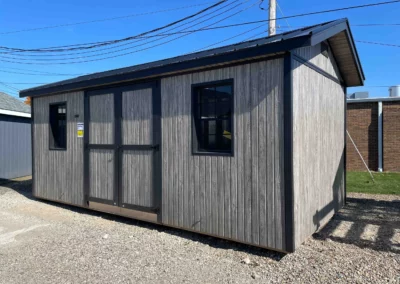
137, 117
101, 126
58, 175
318, 149
222, 195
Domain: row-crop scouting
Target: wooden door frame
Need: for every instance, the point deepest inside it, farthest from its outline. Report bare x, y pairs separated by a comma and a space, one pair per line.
118, 147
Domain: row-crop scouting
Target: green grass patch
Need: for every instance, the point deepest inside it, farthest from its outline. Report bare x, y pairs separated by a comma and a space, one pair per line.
385, 183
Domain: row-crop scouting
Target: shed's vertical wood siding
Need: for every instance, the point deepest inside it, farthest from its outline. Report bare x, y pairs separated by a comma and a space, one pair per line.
318, 149
239, 197
313, 54
58, 175
137, 178
101, 125
101, 173
137, 117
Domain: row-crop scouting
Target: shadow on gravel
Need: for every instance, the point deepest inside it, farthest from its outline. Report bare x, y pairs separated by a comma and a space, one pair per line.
366, 223
25, 188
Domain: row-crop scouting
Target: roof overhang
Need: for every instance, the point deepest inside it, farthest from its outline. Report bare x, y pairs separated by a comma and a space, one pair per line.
340, 39
232, 54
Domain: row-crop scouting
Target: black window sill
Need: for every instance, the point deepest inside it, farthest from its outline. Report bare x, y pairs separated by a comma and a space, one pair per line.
58, 149
223, 154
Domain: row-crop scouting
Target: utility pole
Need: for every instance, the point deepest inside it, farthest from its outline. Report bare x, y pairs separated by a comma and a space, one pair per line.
272, 17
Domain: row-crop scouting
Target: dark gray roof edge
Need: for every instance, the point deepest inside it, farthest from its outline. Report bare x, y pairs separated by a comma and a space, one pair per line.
255, 48
373, 100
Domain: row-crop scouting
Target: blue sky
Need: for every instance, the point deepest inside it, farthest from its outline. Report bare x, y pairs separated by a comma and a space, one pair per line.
380, 63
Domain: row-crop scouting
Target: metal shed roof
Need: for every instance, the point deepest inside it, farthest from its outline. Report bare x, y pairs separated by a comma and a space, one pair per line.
337, 33
13, 106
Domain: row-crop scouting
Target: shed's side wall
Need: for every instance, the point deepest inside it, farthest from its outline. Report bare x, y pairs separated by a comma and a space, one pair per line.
313, 55
238, 197
318, 149
15, 147
58, 174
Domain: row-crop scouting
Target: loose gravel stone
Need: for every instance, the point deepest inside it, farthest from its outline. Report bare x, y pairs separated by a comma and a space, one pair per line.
45, 242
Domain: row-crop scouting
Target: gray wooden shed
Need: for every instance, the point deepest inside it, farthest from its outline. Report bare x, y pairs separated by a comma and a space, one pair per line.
244, 142
15, 138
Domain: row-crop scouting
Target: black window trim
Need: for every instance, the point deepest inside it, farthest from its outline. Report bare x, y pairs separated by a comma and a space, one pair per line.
66, 126
195, 150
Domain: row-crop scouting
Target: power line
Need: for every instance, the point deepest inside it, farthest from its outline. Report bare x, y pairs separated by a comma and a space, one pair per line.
25, 83
38, 74
46, 73
18, 53
253, 36
107, 19
123, 39
279, 7
371, 25
281, 18
229, 38
14, 94
162, 43
10, 87
378, 43
129, 43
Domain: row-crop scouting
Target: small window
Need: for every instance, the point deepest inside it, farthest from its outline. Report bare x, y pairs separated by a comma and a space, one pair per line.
212, 118
58, 126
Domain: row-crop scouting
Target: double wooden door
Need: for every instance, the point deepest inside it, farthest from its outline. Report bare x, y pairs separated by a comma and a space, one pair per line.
122, 146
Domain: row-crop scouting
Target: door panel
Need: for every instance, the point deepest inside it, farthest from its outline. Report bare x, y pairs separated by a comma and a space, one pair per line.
101, 124
137, 150
137, 117
101, 174
137, 178
122, 166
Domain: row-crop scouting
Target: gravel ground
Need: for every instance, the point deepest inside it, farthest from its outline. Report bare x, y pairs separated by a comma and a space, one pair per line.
43, 242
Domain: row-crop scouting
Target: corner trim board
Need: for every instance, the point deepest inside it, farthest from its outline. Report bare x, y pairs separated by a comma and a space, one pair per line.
288, 152
33, 146
316, 68
345, 145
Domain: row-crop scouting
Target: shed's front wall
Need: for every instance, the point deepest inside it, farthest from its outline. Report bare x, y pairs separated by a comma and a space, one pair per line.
318, 149
239, 197
58, 174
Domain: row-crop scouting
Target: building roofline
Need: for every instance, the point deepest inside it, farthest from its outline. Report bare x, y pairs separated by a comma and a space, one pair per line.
372, 100
258, 48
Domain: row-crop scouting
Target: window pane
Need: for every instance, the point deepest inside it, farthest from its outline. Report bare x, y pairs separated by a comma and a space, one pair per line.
207, 110
58, 126
208, 95
224, 93
223, 110
213, 114
208, 127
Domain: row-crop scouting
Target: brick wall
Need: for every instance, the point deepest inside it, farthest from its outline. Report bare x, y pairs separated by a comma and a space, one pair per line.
362, 124
391, 136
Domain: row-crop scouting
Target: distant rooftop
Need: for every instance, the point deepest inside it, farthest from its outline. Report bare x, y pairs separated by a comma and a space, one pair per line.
371, 100
10, 103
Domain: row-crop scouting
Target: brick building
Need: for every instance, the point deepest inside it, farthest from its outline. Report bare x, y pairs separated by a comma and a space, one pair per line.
374, 125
